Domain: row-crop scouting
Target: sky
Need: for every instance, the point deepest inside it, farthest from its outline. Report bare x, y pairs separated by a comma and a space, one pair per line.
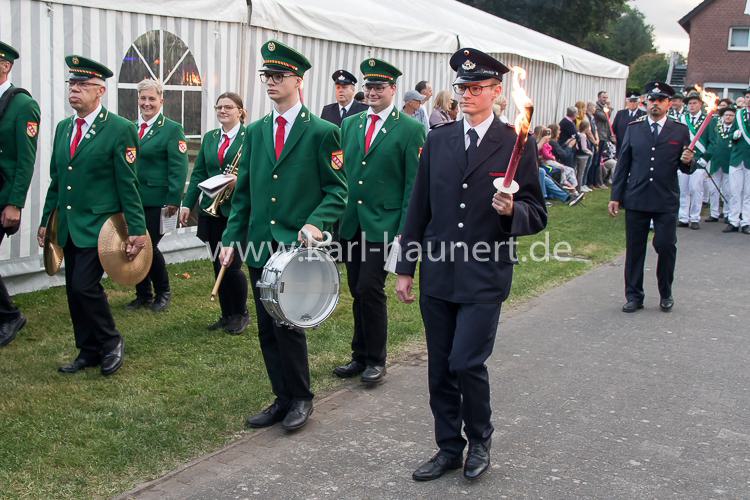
663, 15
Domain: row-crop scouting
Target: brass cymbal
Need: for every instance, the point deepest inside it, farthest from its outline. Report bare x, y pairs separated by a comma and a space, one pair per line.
53, 253
113, 240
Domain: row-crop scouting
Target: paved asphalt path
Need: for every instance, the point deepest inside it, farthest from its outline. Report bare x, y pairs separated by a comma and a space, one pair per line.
588, 402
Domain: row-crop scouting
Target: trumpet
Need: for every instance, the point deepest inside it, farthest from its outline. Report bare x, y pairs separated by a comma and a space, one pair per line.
226, 193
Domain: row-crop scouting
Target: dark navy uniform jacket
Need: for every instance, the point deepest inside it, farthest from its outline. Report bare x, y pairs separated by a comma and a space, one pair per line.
332, 113
451, 204
646, 173
620, 123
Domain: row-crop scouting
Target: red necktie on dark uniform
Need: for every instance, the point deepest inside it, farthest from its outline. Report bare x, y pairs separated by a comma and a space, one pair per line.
144, 126
223, 148
370, 130
77, 137
280, 130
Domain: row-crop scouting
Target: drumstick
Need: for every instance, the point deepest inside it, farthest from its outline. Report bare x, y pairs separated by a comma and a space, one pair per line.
217, 285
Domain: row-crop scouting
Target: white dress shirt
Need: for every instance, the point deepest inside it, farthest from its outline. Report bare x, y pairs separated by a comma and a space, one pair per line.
4, 87
86, 126
660, 122
346, 108
289, 116
481, 129
232, 134
149, 123
378, 124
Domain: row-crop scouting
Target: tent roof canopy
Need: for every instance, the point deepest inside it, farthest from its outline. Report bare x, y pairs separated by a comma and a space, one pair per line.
231, 11
424, 26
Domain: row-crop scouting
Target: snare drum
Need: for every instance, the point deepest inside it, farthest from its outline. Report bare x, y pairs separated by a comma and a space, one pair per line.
299, 287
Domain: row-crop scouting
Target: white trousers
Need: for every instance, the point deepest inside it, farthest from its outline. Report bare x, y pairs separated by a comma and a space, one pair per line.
739, 209
722, 181
691, 195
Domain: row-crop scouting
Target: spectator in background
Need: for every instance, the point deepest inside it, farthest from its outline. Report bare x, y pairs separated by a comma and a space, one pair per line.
595, 173
425, 89
501, 104
453, 111
568, 127
625, 116
601, 117
548, 160
563, 151
441, 111
360, 97
584, 155
412, 103
580, 112
724, 103
741, 102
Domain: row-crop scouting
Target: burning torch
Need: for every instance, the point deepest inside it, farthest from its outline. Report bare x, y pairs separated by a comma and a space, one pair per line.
712, 102
525, 107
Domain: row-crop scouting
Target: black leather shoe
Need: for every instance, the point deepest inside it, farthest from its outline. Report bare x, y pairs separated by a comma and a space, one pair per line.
632, 306
666, 304
745, 230
138, 303
296, 417
682, 224
373, 374
217, 324
161, 302
77, 365
112, 360
711, 219
268, 417
350, 369
10, 329
436, 467
477, 460
695, 225
237, 323
730, 229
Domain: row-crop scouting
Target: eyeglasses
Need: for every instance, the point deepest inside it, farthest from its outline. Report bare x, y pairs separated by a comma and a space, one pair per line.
228, 107
83, 85
378, 89
276, 78
474, 90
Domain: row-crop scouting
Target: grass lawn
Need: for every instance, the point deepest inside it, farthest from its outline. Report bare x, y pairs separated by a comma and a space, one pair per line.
184, 391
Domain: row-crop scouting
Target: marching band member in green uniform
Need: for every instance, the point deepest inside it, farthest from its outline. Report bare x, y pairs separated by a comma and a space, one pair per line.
739, 174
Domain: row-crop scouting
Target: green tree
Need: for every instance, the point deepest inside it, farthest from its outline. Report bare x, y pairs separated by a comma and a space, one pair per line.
647, 68
624, 39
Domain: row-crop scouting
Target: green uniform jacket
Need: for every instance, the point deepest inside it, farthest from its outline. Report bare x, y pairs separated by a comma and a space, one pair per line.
19, 130
741, 147
719, 148
98, 182
380, 181
162, 164
207, 165
703, 141
273, 198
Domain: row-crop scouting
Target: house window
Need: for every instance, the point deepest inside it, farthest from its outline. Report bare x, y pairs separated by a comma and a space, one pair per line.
163, 56
739, 38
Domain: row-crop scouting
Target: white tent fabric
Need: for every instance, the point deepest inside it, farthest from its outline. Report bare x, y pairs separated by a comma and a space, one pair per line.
230, 11
425, 26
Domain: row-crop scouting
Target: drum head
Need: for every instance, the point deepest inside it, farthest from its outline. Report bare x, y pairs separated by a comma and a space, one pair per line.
309, 288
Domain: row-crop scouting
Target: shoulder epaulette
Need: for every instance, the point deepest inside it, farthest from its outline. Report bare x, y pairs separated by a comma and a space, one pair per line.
639, 119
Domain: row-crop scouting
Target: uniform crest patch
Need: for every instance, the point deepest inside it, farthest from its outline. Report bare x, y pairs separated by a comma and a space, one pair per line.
130, 154
337, 160
271, 46
32, 128
182, 145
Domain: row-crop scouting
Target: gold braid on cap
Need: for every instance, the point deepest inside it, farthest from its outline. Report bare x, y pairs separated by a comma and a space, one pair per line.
85, 72
387, 77
280, 63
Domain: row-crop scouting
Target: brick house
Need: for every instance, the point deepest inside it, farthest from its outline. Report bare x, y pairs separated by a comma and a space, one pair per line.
719, 57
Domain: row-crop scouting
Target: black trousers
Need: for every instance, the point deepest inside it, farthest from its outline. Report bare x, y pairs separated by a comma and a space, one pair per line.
366, 279
665, 243
157, 275
284, 352
233, 289
8, 310
93, 324
460, 338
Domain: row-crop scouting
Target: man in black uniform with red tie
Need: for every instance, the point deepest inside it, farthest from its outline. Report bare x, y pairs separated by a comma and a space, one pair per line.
454, 213
345, 104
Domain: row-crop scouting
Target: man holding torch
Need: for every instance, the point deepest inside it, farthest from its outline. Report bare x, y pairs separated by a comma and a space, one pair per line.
654, 149
462, 224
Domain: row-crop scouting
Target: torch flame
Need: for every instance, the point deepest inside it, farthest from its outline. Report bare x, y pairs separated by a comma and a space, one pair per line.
520, 99
710, 99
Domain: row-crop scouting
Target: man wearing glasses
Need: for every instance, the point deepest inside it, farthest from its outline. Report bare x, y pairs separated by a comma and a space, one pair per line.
92, 177
464, 230
19, 128
381, 147
291, 183
653, 150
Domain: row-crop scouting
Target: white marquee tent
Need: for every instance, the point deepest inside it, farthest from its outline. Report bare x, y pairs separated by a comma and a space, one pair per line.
201, 48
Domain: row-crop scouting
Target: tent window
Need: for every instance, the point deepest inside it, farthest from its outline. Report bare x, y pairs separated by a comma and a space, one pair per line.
161, 55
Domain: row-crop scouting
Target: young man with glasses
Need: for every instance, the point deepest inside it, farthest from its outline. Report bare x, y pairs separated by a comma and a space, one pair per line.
92, 177
464, 230
381, 147
19, 128
291, 183
654, 149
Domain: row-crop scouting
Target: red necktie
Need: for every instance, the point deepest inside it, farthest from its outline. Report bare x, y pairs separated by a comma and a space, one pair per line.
223, 148
144, 126
280, 130
370, 131
77, 137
